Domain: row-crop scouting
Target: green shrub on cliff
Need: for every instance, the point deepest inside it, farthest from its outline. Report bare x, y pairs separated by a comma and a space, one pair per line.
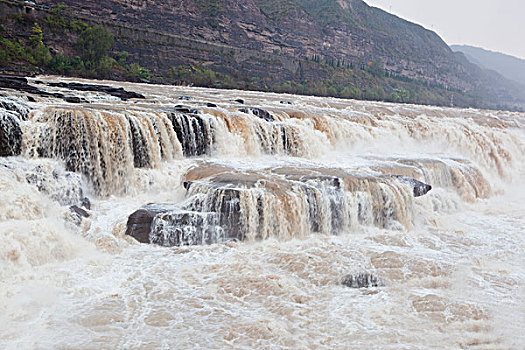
94, 45
198, 75
41, 54
137, 73
12, 51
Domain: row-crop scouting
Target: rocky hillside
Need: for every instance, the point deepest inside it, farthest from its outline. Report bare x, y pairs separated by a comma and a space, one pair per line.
341, 48
510, 67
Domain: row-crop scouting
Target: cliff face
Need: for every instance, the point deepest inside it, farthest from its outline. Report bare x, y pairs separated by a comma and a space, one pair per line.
271, 42
344, 30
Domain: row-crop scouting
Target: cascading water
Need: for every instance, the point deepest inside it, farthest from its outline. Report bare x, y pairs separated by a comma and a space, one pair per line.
277, 210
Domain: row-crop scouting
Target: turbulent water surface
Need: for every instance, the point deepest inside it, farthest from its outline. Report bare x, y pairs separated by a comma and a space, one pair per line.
258, 207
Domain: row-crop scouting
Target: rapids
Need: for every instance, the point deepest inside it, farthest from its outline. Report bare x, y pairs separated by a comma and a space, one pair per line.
253, 209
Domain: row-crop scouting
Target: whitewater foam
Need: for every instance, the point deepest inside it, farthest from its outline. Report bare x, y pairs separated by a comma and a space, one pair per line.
451, 261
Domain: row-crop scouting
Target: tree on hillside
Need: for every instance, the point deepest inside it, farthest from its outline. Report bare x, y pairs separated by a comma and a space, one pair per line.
94, 44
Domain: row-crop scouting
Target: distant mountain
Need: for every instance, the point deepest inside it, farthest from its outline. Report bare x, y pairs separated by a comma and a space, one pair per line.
510, 67
341, 48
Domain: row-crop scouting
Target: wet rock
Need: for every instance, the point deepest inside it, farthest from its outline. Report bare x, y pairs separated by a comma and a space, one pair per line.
77, 214
285, 102
64, 187
79, 211
239, 100
419, 188
258, 112
74, 99
331, 180
185, 98
186, 109
86, 203
211, 105
186, 228
21, 84
110, 90
10, 134
15, 106
215, 210
361, 280
215, 220
17, 83
139, 223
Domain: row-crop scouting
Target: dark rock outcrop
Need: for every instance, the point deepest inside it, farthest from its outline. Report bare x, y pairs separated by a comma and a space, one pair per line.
234, 205
17, 107
258, 112
361, 280
419, 188
165, 226
21, 84
110, 90
139, 223
86, 203
77, 214
74, 99
186, 109
79, 211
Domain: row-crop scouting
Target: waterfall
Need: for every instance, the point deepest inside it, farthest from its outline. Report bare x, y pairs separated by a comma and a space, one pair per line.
108, 144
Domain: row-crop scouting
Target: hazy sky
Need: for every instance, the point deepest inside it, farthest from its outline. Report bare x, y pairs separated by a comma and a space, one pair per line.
497, 25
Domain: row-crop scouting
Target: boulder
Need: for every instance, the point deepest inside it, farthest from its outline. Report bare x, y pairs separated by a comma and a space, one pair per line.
86, 203
420, 188
216, 221
139, 223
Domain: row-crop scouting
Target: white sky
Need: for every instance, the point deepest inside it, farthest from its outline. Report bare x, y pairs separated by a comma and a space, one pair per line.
497, 25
